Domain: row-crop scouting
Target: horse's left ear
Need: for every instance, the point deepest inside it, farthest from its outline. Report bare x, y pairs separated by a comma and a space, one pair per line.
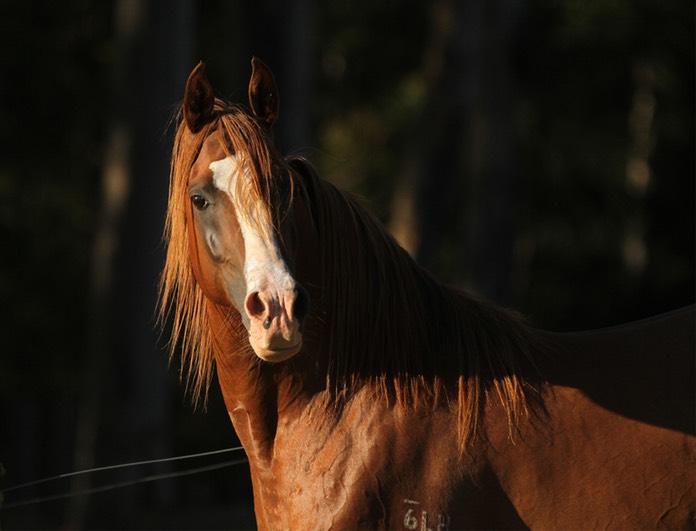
263, 93
199, 99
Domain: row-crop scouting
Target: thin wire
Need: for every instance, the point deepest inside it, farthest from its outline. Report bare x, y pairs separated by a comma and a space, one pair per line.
124, 465
130, 483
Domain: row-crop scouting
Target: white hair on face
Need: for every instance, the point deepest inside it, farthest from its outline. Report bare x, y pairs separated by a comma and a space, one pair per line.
264, 265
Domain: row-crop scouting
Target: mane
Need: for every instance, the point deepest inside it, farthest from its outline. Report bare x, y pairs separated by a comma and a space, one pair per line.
391, 325
384, 321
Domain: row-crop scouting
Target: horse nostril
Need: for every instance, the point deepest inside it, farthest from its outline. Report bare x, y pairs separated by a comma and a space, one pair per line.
301, 308
253, 305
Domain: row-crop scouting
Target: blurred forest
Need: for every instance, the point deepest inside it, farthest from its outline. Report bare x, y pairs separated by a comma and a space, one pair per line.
537, 152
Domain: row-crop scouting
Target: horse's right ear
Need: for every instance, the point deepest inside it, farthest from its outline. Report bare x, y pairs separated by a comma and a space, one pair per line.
263, 93
198, 99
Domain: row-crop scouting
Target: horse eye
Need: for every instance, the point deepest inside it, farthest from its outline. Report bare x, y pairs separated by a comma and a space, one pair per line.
200, 202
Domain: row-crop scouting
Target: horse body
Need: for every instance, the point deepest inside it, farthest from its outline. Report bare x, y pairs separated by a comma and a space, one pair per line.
397, 402
589, 461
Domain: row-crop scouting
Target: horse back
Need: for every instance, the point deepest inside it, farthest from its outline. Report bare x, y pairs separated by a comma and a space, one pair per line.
615, 445
644, 370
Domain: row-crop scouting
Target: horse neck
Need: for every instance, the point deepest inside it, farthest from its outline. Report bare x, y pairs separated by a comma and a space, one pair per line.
258, 395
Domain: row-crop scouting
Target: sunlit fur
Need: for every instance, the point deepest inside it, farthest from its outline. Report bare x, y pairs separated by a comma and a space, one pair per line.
383, 321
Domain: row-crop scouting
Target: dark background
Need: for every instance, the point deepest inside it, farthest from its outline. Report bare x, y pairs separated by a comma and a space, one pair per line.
539, 153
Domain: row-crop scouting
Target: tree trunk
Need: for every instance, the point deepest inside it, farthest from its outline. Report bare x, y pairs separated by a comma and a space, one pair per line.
453, 209
127, 371
281, 36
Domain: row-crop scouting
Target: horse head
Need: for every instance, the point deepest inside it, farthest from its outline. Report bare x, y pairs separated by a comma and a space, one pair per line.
239, 214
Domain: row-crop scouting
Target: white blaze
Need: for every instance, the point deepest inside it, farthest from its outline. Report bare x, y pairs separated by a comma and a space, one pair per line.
264, 267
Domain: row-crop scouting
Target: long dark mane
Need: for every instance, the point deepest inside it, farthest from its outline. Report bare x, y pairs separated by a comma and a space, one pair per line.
388, 323
384, 321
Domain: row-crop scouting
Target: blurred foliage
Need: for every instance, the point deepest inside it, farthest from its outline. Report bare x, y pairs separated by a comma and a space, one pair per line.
578, 67
575, 70
370, 91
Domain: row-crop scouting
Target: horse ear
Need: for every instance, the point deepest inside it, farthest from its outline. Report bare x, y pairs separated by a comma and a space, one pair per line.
263, 93
199, 99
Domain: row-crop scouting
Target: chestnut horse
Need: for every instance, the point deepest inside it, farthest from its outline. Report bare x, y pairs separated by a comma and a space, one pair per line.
369, 395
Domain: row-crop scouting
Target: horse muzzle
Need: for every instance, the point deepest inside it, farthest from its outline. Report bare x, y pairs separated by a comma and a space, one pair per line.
275, 322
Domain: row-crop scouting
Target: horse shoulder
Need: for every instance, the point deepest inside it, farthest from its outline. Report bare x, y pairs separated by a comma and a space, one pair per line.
383, 466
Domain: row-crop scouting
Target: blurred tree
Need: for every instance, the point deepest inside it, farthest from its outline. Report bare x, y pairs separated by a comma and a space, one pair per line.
50, 126
512, 139
454, 206
153, 40
281, 34
606, 137
369, 94
545, 148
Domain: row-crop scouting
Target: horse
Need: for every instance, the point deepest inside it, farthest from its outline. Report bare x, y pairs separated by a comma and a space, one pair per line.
369, 395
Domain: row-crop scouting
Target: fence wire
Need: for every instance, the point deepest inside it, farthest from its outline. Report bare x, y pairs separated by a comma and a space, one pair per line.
120, 484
